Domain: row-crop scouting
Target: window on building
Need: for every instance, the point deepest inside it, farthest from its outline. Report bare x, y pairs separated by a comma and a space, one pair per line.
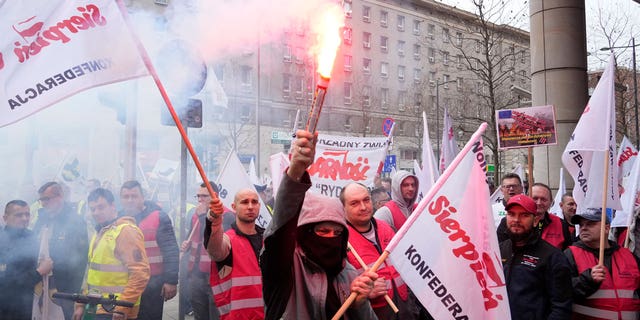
416, 27
347, 34
459, 83
286, 85
401, 48
347, 63
384, 43
400, 23
287, 53
416, 75
445, 80
366, 66
366, 39
366, 14
445, 35
418, 99
459, 38
416, 51
459, 61
299, 86
245, 76
384, 18
384, 98
366, 96
347, 92
432, 55
384, 69
409, 154
401, 73
432, 78
445, 58
299, 55
402, 99
431, 30
346, 6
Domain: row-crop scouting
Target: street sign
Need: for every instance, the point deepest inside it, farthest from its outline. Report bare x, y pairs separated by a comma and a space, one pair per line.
389, 163
387, 123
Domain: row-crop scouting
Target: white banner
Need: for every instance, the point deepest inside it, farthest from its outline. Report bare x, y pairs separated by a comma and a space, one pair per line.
593, 141
429, 172
562, 189
342, 160
50, 50
447, 251
233, 177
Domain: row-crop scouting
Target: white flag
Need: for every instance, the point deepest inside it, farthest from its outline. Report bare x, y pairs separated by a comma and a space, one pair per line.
627, 155
592, 140
562, 189
447, 251
628, 198
232, 179
449, 145
278, 163
50, 50
429, 172
253, 176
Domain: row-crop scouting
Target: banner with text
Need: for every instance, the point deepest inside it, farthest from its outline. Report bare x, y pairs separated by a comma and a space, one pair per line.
341, 160
526, 127
50, 50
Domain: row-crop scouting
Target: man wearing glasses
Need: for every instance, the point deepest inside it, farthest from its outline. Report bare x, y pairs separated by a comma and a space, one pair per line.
511, 186
66, 232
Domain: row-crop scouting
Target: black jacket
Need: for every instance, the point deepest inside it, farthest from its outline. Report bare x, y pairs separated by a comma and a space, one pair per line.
568, 239
538, 280
68, 247
18, 275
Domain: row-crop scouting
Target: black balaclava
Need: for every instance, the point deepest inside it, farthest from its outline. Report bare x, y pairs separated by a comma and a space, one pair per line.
328, 253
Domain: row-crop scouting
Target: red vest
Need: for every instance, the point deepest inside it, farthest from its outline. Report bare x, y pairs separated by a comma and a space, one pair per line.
614, 299
369, 255
396, 213
149, 226
552, 232
197, 248
238, 290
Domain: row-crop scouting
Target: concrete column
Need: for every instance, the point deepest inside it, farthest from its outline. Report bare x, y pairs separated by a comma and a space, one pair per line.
558, 76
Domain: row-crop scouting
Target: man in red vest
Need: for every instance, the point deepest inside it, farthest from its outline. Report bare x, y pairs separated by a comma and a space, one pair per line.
236, 281
369, 237
160, 245
404, 193
606, 289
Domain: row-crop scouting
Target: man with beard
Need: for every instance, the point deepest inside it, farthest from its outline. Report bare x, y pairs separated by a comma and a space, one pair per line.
68, 241
607, 289
236, 282
161, 248
537, 274
404, 192
18, 262
304, 270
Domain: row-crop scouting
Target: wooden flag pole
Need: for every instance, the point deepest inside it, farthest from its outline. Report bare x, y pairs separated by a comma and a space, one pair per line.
603, 216
364, 267
530, 169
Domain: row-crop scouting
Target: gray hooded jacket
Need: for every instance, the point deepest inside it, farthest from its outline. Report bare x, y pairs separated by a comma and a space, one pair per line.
294, 287
384, 213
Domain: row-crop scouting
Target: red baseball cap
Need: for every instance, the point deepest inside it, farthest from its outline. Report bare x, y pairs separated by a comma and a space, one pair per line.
525, 202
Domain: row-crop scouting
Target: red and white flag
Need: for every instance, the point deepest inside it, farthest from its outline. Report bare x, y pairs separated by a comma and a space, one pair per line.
449, 144
592, 140
447, 251
50, 50
627, 155
429, 173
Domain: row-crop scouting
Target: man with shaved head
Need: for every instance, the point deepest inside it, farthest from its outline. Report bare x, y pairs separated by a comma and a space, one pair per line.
236, 282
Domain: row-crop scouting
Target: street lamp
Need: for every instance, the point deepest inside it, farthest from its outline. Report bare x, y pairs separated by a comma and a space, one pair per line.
438, 84
635, 82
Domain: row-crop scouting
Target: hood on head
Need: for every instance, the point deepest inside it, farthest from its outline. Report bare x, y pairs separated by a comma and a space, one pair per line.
317, 208
396, 181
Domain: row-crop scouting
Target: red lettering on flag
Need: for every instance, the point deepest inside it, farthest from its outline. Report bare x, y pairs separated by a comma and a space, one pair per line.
335, 165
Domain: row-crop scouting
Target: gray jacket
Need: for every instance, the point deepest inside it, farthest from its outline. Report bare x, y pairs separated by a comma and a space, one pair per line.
294, 287
384, 213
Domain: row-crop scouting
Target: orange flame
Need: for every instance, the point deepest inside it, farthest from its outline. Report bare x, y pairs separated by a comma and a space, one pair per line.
329, 39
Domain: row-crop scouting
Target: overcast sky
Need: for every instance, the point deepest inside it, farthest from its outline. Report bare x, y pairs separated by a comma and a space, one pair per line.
623, 15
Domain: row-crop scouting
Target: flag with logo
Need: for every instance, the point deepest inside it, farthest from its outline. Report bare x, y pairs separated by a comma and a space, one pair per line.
447, 251
562, 189
233, 177
593, 141
429, 173
629, 198
449, 144
50, 50
627, 155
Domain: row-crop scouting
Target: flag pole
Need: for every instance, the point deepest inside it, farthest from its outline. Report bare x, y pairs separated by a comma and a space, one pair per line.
530, 169
364, 267
603, 216
147, 61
